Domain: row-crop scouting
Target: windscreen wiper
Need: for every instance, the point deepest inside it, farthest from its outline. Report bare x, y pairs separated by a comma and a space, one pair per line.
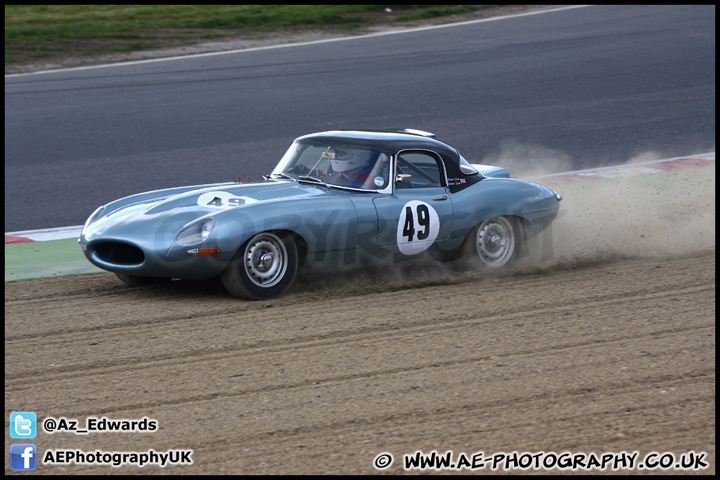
310, 179
281, 175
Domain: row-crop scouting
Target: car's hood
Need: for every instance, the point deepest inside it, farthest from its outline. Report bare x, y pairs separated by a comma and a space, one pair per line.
178, 206
213, 197
225, 196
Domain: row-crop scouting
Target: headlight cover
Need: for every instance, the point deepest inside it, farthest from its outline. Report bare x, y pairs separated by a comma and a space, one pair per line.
98, 211
195, 232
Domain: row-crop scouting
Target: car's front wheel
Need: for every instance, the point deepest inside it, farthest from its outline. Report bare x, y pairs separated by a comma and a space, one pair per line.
265, 267
495, 243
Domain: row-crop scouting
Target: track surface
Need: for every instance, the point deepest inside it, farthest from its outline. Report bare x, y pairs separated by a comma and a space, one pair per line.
603, 356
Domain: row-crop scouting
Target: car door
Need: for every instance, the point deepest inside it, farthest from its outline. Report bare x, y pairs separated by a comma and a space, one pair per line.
419, 212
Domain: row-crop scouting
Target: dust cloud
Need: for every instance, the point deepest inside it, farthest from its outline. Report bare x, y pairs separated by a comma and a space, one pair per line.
639, 216
668, 213
528, 161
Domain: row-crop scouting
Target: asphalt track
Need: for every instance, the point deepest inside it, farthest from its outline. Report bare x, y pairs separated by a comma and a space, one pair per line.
560, 91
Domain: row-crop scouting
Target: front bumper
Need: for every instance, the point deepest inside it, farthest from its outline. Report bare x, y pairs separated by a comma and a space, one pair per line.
137, 258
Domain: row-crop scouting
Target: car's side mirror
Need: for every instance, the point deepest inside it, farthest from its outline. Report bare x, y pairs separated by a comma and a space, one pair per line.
403, 178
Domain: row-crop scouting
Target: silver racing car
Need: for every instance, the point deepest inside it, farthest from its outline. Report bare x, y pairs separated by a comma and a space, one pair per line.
335, 199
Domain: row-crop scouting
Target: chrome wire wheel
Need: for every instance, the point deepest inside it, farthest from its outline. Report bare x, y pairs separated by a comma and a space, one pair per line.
263, 267
495, 242
265, 260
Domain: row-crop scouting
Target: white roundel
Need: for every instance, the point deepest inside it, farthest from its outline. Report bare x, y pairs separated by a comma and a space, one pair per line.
223, 200
418, 227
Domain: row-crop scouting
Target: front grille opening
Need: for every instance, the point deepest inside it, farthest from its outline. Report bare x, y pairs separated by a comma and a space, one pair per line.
121, 253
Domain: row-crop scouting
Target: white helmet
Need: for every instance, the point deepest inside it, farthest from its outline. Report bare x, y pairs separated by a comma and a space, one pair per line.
346, 161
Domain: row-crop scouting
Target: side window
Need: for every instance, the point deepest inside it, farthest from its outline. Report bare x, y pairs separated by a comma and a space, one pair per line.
423, 167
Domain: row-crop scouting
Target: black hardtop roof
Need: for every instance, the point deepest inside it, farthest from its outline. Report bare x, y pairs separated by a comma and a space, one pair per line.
393, 141
384, 140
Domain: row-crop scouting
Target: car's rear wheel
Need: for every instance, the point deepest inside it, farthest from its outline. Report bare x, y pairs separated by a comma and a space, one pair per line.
495, 243
265, 267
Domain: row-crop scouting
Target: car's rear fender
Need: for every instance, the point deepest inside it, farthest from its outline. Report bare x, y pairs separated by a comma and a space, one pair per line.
532, 204
491, 171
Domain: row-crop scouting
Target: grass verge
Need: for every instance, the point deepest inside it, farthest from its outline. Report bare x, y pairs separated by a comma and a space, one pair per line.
39, 31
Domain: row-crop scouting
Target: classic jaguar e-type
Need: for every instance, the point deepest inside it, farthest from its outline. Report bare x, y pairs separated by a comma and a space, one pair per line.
335, 199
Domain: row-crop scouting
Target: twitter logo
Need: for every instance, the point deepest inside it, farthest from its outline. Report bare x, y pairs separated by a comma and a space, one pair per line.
23, 425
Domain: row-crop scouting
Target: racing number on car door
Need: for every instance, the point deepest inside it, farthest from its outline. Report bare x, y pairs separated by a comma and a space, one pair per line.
420, 211
423, 215
418, 227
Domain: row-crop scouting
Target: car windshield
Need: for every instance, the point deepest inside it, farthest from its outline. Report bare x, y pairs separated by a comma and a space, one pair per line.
341, 166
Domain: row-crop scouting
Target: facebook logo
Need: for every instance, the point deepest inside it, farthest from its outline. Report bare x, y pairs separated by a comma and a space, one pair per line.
23, 456
23, 425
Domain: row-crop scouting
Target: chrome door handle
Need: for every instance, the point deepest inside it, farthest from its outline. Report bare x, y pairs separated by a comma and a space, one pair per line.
444, 197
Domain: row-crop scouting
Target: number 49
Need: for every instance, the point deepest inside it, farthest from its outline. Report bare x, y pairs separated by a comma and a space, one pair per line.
421, 216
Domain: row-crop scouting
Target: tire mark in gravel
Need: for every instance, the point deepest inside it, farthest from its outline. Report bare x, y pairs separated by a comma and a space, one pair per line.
609, 389
335, 338
424, 422
631, 295
554, 349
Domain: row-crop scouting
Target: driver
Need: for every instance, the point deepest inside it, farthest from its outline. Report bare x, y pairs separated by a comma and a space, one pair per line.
351, 165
